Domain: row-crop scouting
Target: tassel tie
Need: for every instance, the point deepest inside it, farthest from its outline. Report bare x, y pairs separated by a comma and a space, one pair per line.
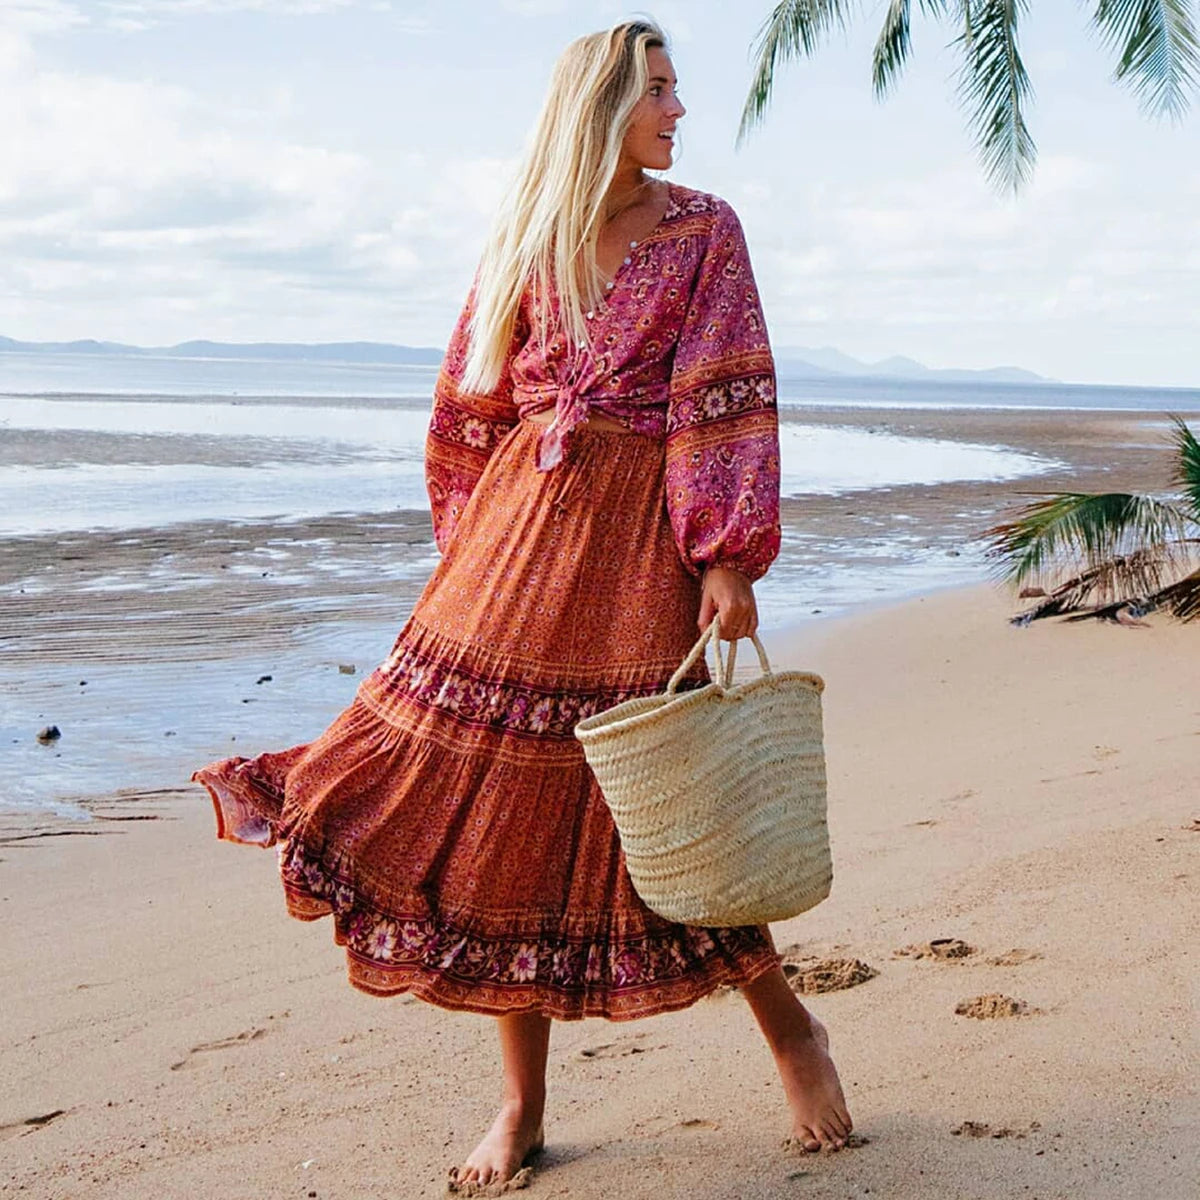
570, 411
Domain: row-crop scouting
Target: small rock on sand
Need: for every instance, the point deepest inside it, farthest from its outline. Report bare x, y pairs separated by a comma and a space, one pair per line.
346, 668
48, 734
992, 1005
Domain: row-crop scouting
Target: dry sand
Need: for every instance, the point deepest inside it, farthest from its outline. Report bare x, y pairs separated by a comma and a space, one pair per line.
169, 1032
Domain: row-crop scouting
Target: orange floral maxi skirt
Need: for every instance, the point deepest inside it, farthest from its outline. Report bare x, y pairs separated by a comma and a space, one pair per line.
447, 819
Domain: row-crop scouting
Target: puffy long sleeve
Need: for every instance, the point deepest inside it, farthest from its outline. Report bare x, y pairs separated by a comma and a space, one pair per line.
722, 451
464, 428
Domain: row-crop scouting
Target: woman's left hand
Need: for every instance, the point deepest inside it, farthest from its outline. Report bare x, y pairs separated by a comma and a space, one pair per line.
730, 595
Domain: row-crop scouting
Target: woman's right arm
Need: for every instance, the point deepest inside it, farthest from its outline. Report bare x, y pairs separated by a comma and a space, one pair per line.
464, 429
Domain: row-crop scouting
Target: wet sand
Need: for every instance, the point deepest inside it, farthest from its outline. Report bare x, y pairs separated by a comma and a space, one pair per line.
170, 1032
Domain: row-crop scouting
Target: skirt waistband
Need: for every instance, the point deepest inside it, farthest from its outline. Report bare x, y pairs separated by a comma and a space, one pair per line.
596, 421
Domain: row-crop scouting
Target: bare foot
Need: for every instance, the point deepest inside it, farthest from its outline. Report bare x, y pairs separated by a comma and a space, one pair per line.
820, 1119
515, 1136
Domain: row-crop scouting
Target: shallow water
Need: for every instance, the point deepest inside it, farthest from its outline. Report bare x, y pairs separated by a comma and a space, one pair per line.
308, 460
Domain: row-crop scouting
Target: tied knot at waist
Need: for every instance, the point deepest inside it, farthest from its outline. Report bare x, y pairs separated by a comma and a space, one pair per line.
571, 409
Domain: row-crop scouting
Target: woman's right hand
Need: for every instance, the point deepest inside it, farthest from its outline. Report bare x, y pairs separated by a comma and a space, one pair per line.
730, 595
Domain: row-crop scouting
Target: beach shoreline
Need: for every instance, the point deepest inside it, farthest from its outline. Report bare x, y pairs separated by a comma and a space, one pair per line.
156, 647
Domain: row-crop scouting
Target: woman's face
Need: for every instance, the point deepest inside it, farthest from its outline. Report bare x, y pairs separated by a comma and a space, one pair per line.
650, 138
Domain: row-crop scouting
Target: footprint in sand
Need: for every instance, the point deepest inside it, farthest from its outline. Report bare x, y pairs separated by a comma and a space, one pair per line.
622, 1048
29, 1124
993, 1005
981, 1129
662, 1125
238, 1039
809, 975
946, 949
1012, 958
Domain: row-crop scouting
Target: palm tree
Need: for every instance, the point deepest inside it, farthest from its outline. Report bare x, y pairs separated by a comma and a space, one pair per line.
1159, 57
1122, 554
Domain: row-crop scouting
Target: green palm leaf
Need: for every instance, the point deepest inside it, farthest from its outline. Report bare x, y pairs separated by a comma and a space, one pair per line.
794, 28
1125, 543
1160, 55
994, 85
891, 50
1187, 470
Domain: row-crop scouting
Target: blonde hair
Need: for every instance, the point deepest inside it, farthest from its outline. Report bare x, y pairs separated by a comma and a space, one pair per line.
549, 222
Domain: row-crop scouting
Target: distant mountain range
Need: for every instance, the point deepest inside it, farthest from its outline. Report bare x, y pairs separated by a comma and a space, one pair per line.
802, 361
357, 353
826, 361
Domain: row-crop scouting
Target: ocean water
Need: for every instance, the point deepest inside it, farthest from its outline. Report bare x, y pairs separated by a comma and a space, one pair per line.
39, 374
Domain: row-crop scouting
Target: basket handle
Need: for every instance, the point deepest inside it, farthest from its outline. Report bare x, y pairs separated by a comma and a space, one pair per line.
724, 668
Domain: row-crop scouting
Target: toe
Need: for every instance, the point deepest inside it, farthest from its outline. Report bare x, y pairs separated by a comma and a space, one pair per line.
835, 1123
829, 1137
809, 1139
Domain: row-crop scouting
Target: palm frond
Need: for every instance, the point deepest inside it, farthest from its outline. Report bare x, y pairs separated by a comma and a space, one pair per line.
1160, 54
794, 29
891, 50
1187, 470
1101, 587
1123, 543
994, 85
1183, 597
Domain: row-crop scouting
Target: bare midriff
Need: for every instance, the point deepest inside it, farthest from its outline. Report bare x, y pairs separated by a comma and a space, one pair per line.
595, 420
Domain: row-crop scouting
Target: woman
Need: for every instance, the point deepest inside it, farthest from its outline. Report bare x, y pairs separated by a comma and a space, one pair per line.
603, 470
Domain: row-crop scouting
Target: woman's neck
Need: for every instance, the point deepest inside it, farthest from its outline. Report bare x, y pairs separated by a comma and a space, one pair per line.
627, 188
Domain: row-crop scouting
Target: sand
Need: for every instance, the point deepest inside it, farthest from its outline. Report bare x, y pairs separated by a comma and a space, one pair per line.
1007, 963
168, 1031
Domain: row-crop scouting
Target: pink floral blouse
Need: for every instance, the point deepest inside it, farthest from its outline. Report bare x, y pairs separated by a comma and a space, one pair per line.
679, 352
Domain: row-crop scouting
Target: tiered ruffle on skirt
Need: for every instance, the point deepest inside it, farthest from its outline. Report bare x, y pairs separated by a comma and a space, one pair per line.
447, 819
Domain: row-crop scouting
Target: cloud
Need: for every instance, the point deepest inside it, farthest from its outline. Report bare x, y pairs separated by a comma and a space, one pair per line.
140, 210
152, 10
40, 16
534, 8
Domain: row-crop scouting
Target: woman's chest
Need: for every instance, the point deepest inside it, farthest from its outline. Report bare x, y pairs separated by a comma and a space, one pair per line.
634, 327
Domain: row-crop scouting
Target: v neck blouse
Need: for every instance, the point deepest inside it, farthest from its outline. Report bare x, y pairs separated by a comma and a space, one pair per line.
678, 351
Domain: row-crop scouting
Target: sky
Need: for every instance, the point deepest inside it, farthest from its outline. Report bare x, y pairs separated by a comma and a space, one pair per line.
327, 170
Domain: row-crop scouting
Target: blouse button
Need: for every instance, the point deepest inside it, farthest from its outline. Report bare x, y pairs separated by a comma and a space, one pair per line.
628, 260
608, 284
590, 315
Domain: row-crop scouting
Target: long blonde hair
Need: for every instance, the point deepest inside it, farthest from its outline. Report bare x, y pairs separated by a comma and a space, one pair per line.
549, 222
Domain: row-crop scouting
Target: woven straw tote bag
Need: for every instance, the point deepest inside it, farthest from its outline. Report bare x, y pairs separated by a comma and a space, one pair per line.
718, 794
